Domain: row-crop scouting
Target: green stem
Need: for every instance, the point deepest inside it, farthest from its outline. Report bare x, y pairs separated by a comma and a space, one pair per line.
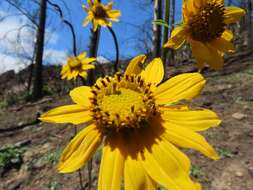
116, 65
79, 171
166, 32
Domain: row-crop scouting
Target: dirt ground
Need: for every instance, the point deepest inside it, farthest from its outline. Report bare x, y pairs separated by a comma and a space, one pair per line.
228, 92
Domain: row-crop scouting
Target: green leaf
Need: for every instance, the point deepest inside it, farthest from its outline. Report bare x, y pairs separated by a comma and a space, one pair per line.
196, 171
161, 22
225, 153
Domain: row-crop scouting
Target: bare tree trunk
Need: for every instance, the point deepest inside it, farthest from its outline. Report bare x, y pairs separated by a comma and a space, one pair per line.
38, 84
250, 29
94, 41
166, 32
30, 76
93, 49
173, 7
157, 29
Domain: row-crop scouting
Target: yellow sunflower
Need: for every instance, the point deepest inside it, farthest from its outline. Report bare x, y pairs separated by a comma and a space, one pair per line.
204, 27
138, 122
77, 66
100, 14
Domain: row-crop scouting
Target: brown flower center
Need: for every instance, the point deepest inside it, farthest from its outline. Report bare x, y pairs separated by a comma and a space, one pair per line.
122, 102
75, 64
100, 12
208, 24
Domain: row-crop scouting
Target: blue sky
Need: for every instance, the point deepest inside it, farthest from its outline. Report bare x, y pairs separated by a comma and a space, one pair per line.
59, 40
132, 15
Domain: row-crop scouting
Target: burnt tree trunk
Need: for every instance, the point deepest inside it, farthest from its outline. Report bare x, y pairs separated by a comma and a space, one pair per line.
30, 76
173, 7
166, 32
93, 48
250, 29
157, 34
37, 92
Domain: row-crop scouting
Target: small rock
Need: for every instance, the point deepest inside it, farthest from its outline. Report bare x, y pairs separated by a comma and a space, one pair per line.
207, 104
28, 156
1, 171
251, 171
250, 134
224, 86
238, 174
45, 148
245, 107
20, 123
239, 116
39, 164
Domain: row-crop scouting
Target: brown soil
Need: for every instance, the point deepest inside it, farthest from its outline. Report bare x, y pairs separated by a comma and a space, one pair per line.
229, 93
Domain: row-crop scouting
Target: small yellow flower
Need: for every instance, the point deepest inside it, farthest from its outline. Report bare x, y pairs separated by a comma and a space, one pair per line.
204, 27
77, 66
100, 14
138, 122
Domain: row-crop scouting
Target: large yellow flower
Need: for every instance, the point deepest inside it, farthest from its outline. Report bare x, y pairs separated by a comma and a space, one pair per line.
204, 27
100, 14
77, 66
138, 121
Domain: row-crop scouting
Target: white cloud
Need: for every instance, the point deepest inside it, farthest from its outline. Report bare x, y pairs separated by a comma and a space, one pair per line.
57, 57
16, 44
102, 60
10, 63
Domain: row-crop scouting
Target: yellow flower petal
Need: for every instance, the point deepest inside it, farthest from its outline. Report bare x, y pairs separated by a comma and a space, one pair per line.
199, 3
196, 120
96, 2
233, 14
134, 66
83, 74
111, 167
75, 114
114, 14
154, 72
81, 95
187, 138
168, 166
88, 60
223, 45
88, 66
80, 149
198, 186
177, 38
95, 25
109, 6
216, 62
87, 20
189, 6
82, 56
86, 8
181, 87
74, 74
135, 177
103, 22
207, 54
227, 35
90, 2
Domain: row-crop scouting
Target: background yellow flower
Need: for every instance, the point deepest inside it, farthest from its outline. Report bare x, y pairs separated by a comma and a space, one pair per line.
138, 121
77, 66
100, 14
204, 27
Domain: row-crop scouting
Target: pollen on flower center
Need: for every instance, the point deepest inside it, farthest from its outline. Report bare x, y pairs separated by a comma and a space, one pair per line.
208, 24
122, 102
75, 63
100, 12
